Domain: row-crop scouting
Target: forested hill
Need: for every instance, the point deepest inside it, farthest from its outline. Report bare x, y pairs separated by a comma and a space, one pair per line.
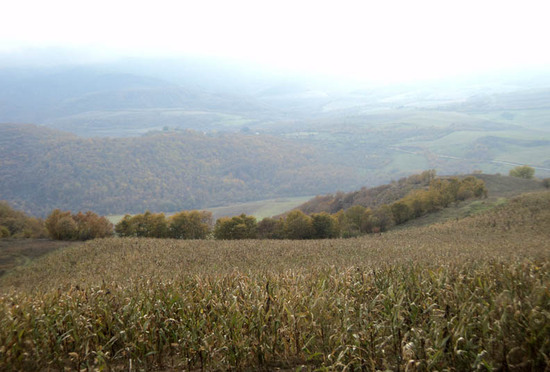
42, 169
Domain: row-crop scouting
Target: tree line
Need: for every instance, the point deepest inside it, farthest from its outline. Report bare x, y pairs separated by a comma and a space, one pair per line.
16, 224
354, 221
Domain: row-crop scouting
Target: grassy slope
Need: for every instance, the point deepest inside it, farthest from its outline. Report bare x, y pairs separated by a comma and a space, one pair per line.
441, 296
500, 189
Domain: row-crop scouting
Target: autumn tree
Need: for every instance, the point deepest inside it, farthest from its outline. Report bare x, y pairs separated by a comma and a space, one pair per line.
401, 212
92, 226
146, 225
125, 227
190, 225
298, 225
523, 171
442, 193
418, 202
324, 226
382, 218
471, 187
62, 225
16, 224
353, 219
237, 227
271, 228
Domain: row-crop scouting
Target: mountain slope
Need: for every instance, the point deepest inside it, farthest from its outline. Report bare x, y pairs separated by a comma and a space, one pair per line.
42, 169
497, 187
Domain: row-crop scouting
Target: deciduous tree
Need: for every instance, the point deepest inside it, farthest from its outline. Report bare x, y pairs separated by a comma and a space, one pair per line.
324, 226
238, 227
190, 225
298, 225
523, 171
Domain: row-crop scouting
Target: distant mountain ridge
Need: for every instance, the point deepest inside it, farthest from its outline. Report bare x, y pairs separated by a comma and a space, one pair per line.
83, 99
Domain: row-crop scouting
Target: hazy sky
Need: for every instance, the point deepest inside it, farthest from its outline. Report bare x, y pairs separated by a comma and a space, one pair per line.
400, 39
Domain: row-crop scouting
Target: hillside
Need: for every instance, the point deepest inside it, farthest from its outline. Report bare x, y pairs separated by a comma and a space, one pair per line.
506, 186
419, 297
384, 132
367, 197
42, 169
497, 186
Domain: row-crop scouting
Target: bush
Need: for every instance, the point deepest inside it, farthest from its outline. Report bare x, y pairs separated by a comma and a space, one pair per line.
4, 232
125, 227
147, 225
523, 171
92, 226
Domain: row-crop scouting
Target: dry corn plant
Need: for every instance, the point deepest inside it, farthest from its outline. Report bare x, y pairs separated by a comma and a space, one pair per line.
465, 295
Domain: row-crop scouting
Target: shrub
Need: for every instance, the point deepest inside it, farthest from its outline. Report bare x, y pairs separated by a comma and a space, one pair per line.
4, 232
523, 171
91, 226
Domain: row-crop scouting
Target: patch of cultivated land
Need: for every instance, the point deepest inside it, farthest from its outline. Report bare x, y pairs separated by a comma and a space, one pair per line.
463, 295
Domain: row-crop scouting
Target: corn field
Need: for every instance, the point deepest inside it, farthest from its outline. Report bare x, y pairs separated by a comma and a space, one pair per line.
466, 295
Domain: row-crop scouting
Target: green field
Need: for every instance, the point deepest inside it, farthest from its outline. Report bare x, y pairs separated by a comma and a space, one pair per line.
468, 294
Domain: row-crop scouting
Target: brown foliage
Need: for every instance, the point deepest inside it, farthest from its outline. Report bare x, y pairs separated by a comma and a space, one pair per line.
17, 224
62, 225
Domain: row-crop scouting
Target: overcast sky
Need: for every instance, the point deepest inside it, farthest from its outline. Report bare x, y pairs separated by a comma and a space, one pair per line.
399, 39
